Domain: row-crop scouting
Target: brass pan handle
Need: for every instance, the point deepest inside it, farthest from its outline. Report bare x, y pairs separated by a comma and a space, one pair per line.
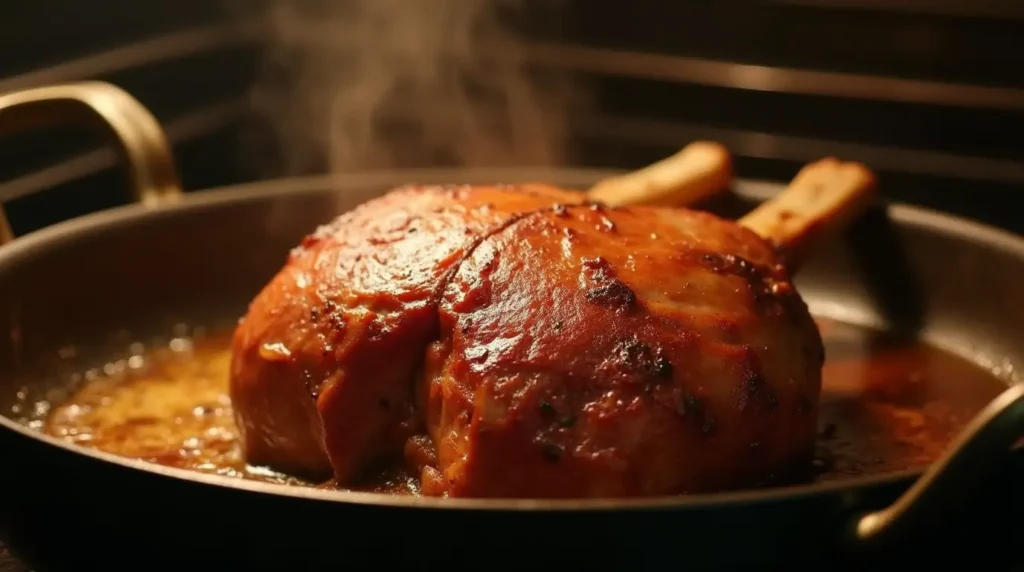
139, 138
978, 450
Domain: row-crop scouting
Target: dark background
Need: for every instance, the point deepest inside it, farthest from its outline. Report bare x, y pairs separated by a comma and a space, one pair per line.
928, 93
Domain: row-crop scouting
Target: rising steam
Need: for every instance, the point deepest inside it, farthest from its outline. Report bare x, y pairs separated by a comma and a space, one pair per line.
366, 84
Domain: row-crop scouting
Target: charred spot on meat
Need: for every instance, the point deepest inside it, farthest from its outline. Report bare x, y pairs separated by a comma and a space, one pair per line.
637, 354
604, 288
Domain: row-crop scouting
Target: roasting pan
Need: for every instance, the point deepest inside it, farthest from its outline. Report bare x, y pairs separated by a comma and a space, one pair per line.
199, 258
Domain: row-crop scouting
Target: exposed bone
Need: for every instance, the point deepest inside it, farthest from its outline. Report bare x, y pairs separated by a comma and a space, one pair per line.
699, 170
822, 199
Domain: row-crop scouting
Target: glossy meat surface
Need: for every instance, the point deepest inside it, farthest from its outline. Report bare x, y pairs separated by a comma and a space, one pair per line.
588, 352
338, 334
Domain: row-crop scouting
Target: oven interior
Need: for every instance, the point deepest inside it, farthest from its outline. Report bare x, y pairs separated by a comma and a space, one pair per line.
928, 93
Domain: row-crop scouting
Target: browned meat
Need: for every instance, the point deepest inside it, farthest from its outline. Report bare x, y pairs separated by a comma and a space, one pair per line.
620, 352
552, 349
339, 333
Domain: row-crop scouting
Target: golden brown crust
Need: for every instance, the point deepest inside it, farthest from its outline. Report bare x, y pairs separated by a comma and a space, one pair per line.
620, 352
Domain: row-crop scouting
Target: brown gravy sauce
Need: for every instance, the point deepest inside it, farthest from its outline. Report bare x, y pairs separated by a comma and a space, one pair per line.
887, 404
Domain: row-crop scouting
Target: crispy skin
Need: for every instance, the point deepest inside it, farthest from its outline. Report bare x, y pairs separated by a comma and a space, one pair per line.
339, 333
596, 352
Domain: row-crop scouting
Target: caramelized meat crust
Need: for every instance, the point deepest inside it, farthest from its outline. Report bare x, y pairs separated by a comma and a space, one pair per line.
571, 350
338, 334
594, 352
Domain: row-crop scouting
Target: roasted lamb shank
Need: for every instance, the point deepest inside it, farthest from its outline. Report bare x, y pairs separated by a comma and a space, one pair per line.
525, 341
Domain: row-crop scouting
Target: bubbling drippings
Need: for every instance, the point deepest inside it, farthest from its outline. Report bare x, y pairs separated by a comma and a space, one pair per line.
888, 404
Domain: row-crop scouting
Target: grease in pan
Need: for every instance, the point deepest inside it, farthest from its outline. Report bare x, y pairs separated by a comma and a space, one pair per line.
888, 404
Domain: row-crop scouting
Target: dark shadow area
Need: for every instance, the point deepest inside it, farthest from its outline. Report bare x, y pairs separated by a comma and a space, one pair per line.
886, 272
